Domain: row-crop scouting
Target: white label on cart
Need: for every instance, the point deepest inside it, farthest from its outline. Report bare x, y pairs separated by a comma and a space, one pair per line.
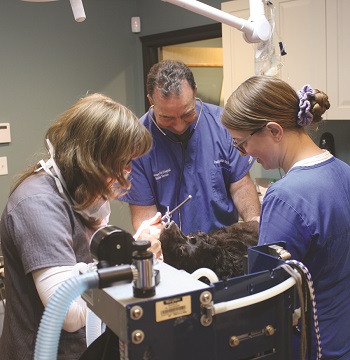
173, 308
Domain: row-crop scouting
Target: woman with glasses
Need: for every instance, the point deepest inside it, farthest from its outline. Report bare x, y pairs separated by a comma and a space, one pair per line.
309, 208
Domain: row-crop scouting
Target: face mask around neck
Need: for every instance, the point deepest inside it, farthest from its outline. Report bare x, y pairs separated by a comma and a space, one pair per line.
100, 209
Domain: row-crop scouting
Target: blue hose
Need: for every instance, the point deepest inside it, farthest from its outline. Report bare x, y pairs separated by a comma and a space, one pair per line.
46, 346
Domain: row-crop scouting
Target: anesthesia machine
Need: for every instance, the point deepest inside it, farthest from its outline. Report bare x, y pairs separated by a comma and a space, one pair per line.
154, 311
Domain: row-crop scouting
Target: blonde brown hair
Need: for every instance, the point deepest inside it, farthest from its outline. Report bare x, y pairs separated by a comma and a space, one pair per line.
93, 141
264, 98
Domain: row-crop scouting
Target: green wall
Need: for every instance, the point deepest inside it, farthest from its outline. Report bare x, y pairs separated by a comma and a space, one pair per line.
48, 61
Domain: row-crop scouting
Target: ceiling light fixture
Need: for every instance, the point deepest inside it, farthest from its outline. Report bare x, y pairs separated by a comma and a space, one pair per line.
255, 29
77, 7
78, 10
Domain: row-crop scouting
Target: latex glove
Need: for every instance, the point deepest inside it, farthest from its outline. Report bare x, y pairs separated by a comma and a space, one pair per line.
150, 230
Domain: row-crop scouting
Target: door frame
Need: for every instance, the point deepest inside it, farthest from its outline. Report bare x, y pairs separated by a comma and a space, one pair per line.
152, 43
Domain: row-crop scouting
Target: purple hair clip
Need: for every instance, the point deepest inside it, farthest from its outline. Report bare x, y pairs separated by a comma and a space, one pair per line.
305, 116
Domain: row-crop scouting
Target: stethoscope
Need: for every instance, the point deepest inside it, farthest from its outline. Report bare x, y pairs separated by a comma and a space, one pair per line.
169, 137
183, 143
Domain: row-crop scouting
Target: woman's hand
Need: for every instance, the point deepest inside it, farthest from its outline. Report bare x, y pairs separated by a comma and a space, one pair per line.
150, 230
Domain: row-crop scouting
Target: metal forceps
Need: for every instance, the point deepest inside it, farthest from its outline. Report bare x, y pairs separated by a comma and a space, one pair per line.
166, 218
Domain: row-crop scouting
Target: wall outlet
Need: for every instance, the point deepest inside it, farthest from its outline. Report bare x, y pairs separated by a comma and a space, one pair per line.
3, 165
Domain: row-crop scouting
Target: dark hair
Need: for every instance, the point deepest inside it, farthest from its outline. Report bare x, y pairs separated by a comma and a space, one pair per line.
167, 76
264, 98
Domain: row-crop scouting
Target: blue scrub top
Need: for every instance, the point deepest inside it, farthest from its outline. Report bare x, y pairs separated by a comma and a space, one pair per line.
204, 169
309, 209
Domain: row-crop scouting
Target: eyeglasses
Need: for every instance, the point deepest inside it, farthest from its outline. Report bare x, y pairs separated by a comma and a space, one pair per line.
239, 147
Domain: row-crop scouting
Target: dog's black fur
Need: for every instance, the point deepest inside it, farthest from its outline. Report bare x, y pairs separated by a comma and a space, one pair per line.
221, 250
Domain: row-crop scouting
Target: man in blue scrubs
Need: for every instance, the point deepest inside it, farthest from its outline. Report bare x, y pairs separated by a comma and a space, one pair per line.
193, 155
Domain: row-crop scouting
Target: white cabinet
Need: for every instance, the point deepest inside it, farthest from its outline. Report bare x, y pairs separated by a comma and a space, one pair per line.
338, 54
238, 55
314, 34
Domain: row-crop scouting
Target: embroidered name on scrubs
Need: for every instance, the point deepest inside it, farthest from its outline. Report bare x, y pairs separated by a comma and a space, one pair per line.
221, 161
162, 174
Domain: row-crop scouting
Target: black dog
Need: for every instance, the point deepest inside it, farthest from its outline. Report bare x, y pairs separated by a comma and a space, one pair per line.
221, 250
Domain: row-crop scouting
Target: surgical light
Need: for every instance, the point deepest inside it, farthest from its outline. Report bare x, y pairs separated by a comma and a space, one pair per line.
255, 29
77, 8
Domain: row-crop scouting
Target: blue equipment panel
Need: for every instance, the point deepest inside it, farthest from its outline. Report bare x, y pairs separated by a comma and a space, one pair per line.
174, 324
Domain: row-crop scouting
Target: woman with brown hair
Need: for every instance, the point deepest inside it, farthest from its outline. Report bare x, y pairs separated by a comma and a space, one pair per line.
53, 210
309, 208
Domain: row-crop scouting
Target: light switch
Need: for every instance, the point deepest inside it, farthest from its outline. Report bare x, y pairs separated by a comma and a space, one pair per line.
3, 165
5, 135
135, 24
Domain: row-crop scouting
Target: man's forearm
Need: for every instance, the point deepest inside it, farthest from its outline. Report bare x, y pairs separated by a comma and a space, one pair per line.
246, 200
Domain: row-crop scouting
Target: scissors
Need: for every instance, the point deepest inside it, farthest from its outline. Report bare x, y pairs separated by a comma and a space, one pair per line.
166, 218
